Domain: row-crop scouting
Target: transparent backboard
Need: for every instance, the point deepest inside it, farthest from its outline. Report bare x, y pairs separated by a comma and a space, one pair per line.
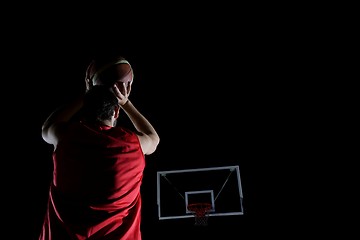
219, 186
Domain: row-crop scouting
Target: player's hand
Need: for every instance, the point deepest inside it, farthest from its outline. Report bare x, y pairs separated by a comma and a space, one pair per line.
123, 94
124, 87
88, 83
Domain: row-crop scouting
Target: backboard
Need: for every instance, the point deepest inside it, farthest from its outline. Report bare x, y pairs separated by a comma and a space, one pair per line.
219, 186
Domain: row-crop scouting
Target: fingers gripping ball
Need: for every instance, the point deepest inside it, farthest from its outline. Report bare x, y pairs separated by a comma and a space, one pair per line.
109, 72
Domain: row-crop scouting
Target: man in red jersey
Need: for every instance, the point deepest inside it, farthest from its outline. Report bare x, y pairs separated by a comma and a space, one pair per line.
98, 166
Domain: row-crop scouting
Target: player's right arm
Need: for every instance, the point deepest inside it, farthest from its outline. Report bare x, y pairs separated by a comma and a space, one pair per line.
149, 138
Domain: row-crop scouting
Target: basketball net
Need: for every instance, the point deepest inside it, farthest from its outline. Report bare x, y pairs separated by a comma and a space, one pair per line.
201, 213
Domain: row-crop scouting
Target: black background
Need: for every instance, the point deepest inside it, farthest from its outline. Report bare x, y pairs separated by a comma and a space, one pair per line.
220, 85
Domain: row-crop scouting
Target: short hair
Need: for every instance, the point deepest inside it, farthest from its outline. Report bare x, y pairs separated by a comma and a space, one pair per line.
99, 103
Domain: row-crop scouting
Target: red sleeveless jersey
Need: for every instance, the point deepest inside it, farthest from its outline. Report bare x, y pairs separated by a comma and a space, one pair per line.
95, 192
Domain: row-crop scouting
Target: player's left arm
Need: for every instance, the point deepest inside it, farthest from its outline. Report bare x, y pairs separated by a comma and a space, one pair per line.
52, 127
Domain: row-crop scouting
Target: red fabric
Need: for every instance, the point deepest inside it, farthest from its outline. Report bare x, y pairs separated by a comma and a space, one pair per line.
95, 193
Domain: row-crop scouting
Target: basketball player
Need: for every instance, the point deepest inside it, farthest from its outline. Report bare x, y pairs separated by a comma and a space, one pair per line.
98, 166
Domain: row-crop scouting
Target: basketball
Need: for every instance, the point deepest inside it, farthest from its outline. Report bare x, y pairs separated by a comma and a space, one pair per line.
110, 71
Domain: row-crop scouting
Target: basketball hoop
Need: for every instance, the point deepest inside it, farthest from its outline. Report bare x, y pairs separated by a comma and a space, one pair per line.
201, 212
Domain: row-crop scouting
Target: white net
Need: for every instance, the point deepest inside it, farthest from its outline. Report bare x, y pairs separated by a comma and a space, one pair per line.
201, 213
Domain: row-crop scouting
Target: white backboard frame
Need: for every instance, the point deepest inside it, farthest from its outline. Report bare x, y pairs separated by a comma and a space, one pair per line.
213, 212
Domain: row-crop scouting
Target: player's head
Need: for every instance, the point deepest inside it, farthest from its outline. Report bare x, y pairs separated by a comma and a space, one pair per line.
100, 104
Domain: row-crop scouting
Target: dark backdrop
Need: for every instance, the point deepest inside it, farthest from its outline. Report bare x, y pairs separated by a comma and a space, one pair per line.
219, 90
